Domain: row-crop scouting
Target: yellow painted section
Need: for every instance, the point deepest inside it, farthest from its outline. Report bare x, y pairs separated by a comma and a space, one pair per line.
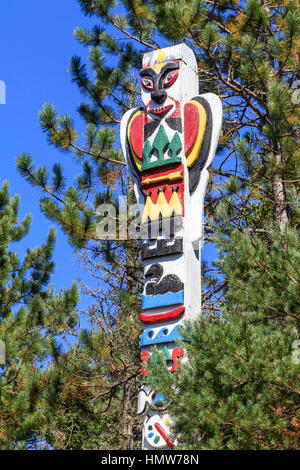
161, 56
160, 61
158, 67
193, 155
162, 205
138, 162
175, 204
176, 175
150, 210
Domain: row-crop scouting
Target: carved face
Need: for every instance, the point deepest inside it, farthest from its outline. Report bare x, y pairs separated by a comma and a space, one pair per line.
168, 78
161, 87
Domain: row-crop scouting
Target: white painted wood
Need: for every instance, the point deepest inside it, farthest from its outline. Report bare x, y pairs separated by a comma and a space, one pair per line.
194, 203
187, 266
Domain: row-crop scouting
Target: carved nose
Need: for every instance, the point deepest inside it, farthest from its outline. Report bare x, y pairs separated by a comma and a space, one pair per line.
159, 96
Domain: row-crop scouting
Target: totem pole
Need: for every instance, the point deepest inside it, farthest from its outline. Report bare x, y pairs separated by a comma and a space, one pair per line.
169, 145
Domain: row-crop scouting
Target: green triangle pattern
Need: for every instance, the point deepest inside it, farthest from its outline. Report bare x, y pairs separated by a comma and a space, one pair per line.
161, 144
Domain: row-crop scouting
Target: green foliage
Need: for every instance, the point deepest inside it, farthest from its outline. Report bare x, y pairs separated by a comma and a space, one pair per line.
92, 400
239, 387
32, 317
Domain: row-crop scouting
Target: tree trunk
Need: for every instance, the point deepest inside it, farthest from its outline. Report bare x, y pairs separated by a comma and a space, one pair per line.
128, 442
281, 206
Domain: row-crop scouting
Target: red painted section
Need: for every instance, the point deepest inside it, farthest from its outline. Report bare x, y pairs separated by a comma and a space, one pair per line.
148, 104
160, 110
144, 358
147, 83
162, 171
177, 111
161, 317
147, 117
154, 187
177, 352
137, 135
191, 126
164, 436
173, 74
147, 66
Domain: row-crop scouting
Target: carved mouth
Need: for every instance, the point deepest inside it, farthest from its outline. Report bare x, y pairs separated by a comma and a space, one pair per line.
160, 110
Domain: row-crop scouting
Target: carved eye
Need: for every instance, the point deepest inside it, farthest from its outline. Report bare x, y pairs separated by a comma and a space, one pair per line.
147, 84
170, 78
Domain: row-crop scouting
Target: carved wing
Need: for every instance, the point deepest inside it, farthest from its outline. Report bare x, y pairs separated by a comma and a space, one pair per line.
197, 137
132, 141
203, 122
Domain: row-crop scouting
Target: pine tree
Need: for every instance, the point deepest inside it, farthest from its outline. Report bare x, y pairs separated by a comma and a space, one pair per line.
240, 389
74, 208
247, 53
96, 407
33, 322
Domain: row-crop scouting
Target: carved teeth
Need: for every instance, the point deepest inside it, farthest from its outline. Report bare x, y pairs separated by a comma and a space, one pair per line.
160, 109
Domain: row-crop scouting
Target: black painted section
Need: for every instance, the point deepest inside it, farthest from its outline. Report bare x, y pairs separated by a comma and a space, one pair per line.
175, 123
149, 128
162, 249
158, 78
165, 70
132, 164
194, 172
169, 283
166, 227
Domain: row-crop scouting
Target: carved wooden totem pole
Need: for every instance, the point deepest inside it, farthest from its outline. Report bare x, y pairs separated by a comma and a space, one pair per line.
169, 144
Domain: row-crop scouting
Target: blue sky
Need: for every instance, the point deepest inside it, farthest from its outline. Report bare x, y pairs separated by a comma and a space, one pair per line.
36, 44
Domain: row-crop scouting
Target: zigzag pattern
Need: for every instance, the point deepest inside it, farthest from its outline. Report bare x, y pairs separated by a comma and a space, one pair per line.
162, 207
163, 336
